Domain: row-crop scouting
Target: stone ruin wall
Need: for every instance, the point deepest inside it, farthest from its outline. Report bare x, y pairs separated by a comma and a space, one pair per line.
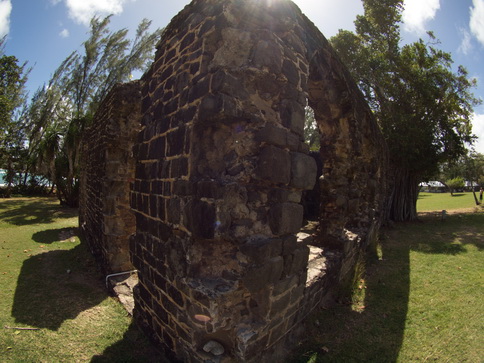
107, 172
220, 169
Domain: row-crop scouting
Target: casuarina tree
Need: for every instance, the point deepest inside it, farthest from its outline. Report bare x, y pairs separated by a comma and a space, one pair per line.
12, 97
62, 109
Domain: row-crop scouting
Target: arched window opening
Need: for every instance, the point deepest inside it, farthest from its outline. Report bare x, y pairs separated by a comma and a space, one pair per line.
311, 198
311, 131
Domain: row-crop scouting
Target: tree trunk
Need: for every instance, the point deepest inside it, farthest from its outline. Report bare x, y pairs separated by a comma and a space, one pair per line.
403, 196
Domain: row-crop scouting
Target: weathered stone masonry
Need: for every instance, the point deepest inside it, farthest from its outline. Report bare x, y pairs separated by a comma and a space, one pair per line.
220, 169
107, 172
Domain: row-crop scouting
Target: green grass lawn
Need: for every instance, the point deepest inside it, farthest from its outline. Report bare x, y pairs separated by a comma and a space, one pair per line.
422, 301
50, 283
441, 201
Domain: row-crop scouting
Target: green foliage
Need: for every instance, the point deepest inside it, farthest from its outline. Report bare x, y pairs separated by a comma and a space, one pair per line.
474, 168
10, 74
422, 106
13, 153
469, 167
455, 183
61, 110
311, 131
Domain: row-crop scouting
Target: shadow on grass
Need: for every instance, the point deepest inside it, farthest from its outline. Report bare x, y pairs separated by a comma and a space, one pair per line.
134, 347
55, 286
449, 236
26, 211
374, 330
59, 285
49, 236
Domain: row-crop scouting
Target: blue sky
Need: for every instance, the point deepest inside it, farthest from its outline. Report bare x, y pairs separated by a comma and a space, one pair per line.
45, 32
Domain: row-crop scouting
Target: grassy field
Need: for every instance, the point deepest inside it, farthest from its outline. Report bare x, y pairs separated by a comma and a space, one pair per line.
422, 301
51, 284
441, 201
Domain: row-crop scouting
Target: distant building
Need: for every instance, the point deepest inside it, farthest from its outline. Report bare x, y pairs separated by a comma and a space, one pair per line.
469, 186
433, 186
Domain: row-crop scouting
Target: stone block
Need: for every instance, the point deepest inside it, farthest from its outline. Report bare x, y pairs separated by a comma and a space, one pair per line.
294, 142
211, 106
297, 294
176, 142
293, 116
285, 218
262, 276
267, 54
171, 106
262, 249
282, 286
183, 188
201, 218
179, 167
289, 244
189, 38
291, 72
303, 171
273, 135
208, 189
173, 211
157, 187
299, 261
278, 195
154, 205
279, 306
199, 90
161, 313
175, 295
274, 165
206, 26
228, 84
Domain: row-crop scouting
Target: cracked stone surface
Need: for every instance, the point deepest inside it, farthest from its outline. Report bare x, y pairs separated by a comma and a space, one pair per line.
123, 286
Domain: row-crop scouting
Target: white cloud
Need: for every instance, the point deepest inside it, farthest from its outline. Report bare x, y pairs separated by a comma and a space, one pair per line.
64, 33
478, 130
5, 10
83, 10
417, 13
466, 45
477, 20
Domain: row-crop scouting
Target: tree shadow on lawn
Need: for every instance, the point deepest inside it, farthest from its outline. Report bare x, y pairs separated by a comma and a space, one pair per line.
374, 331
55, 286
449, 236
49, 236
26, 211
133, 345
59, 285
